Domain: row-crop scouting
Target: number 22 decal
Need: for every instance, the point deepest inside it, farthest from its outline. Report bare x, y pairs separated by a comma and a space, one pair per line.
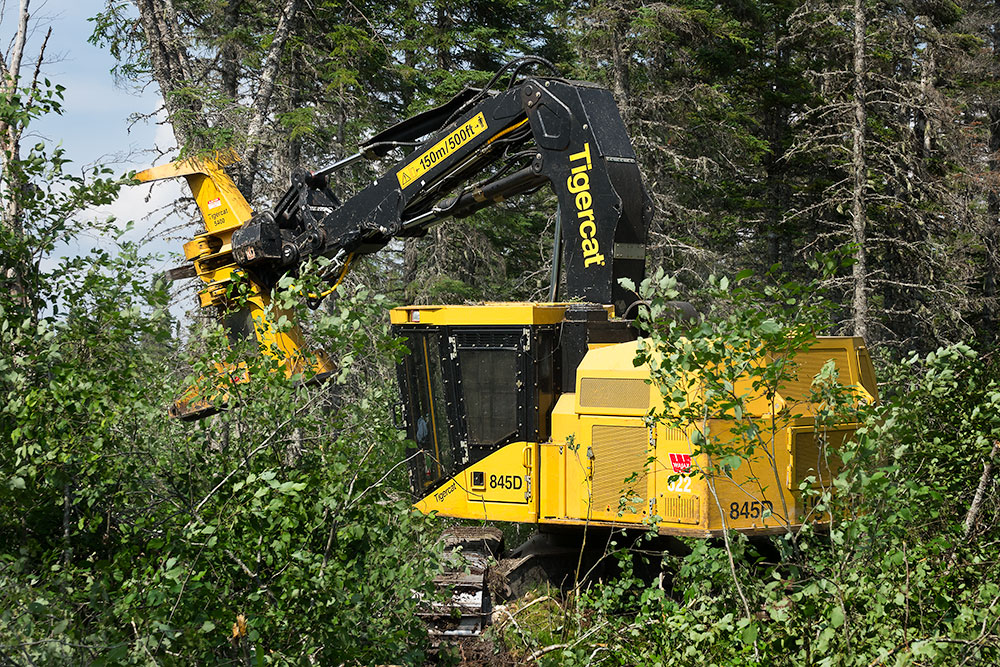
680, 485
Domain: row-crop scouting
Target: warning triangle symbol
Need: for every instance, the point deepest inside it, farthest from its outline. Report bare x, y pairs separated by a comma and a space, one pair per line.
404, 178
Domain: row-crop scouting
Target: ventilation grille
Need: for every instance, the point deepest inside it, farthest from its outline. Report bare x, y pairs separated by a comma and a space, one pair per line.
682, 509
487, 339
619, 454
673, 434
812, 457
614, 393
809, 365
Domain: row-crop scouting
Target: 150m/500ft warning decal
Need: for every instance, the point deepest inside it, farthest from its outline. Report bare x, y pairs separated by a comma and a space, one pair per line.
468, 130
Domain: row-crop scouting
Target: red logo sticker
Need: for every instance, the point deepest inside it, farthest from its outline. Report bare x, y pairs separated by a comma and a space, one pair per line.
680, 462
214, 203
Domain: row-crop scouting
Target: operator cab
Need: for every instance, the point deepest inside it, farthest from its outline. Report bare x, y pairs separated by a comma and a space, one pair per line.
477, 378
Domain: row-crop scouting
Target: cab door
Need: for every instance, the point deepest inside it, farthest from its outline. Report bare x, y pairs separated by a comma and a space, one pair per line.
425, 413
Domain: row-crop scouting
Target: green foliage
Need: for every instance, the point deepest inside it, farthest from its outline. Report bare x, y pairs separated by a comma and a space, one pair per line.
740, 116
147, 538
278, 532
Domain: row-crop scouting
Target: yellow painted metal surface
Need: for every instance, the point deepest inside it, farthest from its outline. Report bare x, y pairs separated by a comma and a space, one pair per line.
440, 151
222, 206
608, 383
498, 314
201, 397
501, 487
607, 464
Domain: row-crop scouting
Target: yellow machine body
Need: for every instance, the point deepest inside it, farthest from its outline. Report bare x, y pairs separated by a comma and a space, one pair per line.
606, 463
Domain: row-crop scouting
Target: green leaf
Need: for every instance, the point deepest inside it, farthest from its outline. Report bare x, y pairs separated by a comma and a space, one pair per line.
769, 326
115, 655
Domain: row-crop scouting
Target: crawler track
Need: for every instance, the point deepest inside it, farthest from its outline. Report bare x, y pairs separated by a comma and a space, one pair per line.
467, 609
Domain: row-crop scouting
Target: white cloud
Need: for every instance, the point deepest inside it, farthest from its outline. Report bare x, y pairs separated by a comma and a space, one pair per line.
159, 216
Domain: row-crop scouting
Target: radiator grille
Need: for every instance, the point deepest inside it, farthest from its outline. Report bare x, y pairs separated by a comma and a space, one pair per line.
619, 453
682, 509
614, 393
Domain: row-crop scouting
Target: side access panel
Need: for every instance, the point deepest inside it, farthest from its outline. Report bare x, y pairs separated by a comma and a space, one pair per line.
501, 487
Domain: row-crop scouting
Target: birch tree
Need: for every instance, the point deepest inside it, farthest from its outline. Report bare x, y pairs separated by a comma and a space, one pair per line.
20, 100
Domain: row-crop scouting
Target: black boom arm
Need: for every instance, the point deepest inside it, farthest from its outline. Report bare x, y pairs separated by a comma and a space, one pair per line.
481, 148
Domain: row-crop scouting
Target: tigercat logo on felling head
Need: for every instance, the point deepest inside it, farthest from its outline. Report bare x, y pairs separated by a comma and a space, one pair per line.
578, 184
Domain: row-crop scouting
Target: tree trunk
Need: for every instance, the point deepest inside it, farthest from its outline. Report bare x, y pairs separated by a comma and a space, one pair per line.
620, 62
10, 133
992, 196
984, 482
15, 264
859, 222
779, 243
289, 157
228, 54
924, 124
411, 251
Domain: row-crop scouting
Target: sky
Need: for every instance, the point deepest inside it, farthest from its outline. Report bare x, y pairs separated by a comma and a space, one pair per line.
96, 124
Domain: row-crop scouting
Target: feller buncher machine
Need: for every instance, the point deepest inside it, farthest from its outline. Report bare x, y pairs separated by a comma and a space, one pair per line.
521, 412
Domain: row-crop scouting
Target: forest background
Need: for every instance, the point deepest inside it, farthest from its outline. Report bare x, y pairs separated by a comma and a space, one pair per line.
769, 134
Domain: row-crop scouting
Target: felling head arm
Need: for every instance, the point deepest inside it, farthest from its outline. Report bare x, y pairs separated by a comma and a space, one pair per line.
224, 210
